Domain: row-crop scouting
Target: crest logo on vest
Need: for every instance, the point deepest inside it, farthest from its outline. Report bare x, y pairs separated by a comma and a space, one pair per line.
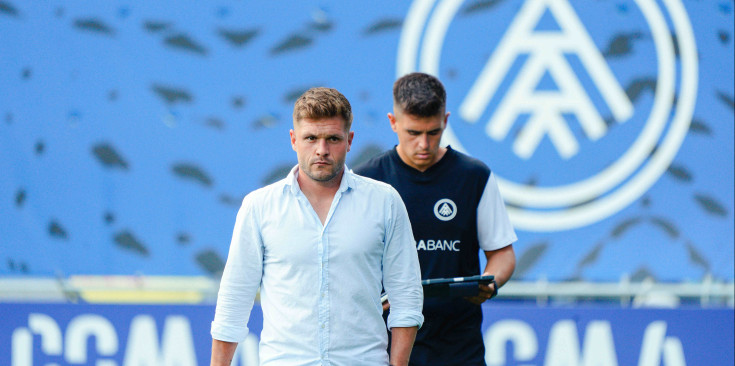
551, 97
445, 209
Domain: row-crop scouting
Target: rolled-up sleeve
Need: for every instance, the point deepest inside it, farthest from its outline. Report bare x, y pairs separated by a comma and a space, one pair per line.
241, 277
401, 271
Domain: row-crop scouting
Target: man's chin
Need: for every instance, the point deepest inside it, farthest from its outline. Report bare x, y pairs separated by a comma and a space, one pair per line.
322, 176
423, 157
422, 161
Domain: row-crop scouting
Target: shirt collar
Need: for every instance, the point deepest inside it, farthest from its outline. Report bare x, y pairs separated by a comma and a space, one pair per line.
348, 180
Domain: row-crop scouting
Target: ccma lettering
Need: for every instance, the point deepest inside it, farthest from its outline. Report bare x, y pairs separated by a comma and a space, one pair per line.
142, 349
564, 347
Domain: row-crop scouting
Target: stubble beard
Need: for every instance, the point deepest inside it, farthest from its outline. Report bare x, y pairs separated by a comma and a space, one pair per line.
320, 175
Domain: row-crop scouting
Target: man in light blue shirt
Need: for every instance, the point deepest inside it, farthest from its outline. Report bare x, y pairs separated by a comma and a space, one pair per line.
320, 244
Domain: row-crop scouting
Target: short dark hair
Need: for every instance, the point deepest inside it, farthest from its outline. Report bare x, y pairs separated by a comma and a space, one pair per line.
420, 95
320, 103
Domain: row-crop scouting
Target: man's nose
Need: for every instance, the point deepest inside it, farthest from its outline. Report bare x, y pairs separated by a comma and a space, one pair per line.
424, 141
322, 148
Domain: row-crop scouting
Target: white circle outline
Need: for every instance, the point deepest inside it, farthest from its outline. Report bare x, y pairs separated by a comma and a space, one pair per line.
451, 203
637, 185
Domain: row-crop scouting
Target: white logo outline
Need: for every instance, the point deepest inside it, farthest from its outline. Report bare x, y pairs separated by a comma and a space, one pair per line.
445, 209
613, 189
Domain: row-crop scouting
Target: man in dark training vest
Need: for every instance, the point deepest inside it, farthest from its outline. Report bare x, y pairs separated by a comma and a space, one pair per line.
455, 210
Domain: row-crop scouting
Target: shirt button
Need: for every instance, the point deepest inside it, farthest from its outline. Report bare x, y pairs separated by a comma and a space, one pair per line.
322, 294
322, 326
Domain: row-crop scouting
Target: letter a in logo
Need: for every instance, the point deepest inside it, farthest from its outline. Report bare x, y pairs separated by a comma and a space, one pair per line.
546, 50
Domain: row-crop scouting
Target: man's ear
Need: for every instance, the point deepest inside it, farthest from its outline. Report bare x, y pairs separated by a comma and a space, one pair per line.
349, 140
446, 119
293, 139
392, 120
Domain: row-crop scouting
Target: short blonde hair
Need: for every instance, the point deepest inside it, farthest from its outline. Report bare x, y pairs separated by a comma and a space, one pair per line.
319, 103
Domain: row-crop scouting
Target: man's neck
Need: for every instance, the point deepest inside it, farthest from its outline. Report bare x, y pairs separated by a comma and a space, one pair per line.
320, 194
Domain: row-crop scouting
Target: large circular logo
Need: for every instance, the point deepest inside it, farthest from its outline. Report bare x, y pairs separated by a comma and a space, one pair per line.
664, 122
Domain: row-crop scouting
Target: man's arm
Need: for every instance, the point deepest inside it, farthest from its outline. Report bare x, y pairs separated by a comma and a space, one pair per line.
494, 229
500, 263
401, 344
238, 286
402, 282
222, 352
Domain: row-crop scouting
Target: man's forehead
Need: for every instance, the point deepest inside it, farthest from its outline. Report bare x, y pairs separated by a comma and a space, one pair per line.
320, 124
412, 122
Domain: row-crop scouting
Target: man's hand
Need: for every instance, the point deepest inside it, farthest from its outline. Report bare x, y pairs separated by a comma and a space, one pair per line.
500, 263
486, 293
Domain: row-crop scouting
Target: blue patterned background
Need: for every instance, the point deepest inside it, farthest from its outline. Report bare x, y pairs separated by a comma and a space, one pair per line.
130, 131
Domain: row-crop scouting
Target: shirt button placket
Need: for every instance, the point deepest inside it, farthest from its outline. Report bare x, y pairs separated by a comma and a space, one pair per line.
324, 298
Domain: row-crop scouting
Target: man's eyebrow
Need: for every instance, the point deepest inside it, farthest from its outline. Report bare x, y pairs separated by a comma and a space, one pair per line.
326, 136
420, 131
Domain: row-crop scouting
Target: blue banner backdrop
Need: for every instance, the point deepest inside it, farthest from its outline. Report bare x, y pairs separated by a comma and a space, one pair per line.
44, 334
131, 130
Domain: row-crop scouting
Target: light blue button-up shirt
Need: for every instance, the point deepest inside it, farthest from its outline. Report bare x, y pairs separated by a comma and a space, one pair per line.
320, 284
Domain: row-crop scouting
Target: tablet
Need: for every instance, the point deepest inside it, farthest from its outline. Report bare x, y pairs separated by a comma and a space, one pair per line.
451, 287
455, 287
